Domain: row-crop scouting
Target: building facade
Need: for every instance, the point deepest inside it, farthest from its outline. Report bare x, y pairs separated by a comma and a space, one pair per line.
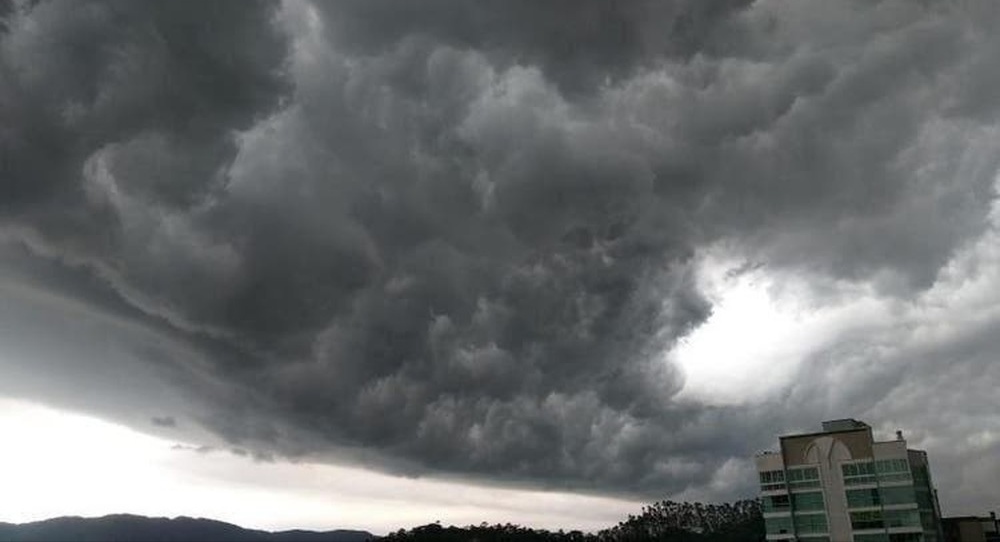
971, 529
840, 485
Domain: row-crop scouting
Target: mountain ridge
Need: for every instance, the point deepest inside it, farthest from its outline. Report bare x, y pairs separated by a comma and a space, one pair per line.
136, 528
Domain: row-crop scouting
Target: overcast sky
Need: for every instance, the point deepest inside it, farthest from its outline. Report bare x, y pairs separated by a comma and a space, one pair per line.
375, 263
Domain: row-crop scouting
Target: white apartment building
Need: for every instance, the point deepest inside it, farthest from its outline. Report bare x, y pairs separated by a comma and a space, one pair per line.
840, 485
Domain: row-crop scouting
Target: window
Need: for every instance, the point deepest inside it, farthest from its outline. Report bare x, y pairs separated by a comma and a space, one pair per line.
803, 477
877, 537
902, 518
895, 477
906, 537
893, 470
883, 466
776, 503
924, 498
858, 469
769, 476
863, 498
858, 473
898, 495
871, 519
810, 523
772, 479
807, 501
779, 525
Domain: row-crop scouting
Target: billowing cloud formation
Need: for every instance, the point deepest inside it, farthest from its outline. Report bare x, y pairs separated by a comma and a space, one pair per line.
461, 237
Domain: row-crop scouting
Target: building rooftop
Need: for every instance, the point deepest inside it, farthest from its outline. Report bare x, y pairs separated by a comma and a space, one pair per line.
845, 424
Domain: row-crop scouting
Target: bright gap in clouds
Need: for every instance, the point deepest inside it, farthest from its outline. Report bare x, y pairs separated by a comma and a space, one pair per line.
55, 463
762, 328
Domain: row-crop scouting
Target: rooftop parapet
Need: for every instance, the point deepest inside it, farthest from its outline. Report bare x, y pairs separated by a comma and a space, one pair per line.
845, 424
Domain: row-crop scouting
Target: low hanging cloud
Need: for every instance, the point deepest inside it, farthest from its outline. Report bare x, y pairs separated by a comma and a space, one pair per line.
460, 238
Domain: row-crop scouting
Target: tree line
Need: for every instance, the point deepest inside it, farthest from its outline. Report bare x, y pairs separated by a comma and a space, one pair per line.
664, 521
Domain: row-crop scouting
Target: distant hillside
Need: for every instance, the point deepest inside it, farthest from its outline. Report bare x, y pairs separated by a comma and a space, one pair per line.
129, 528
664, 521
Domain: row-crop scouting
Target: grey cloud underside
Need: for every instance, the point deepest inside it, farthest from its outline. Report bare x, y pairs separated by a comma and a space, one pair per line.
579, 45
460, 235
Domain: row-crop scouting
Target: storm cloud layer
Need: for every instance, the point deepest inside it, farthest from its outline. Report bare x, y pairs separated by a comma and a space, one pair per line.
461, 237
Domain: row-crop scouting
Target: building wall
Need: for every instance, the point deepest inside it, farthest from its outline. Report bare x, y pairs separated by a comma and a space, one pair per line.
927, 501
777, 518
964, 530
842, 486
826, 452
970, 529
794, 449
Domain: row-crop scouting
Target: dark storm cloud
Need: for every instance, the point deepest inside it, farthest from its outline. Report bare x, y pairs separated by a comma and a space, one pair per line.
7, 8
161, 80
454, 237
579, 45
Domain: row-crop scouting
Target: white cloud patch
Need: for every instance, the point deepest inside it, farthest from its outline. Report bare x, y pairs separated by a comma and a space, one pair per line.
71, 464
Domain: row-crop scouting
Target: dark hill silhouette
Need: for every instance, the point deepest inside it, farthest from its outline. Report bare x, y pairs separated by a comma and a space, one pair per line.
130, 528
665, 521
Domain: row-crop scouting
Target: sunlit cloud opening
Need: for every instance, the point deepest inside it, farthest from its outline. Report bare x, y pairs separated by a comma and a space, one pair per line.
762, 328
